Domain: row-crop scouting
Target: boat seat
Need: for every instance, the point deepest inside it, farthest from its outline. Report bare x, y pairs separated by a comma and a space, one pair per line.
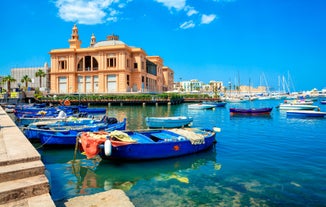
140, 138
163, 136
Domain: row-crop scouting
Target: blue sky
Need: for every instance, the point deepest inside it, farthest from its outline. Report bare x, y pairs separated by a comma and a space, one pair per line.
206, 40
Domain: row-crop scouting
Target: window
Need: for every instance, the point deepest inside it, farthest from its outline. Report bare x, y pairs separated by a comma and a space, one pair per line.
135, 65
95, 64
80, 65
80, 81
128, 63
62, 64
62, 84
127, 80
111, 62
95, 83
88, 63
88, 80
112, 83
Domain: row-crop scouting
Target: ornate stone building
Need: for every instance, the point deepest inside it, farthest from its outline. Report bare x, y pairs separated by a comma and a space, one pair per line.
108, 66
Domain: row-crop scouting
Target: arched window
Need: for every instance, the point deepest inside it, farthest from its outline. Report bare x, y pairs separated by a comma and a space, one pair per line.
88, 63
80, 65
95, 64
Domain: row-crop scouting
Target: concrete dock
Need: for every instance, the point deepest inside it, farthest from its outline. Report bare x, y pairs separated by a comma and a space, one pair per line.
22, 178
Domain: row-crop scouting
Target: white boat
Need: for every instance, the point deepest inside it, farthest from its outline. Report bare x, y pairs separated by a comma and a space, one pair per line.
305, 113
288, 106
201, 106
168, 122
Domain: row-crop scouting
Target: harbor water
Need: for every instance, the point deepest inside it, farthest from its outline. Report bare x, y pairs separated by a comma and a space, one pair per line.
257, 161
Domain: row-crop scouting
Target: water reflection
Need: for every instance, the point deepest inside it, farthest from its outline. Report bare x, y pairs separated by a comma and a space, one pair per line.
91, 176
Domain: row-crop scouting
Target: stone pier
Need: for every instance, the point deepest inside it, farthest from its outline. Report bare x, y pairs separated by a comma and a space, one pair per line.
22, 178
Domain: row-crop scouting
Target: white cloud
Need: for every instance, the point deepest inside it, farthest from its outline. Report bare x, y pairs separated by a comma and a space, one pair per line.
87, 11
190, 11
206, 19
176, 4
187, 25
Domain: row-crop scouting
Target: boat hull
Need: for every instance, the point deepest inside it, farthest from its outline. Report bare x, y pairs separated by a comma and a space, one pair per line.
304, 113
297, 107
70, 137
251, 111
155, 144
168, 122
201, 106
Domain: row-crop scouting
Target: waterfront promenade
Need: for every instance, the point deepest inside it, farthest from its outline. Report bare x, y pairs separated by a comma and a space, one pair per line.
22, 173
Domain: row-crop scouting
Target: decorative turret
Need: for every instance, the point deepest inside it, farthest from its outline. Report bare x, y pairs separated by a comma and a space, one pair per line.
74, 42
93, 40
112, 37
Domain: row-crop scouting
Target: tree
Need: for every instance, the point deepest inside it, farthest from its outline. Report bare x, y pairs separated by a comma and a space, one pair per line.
40, 73
26, 80
8, 79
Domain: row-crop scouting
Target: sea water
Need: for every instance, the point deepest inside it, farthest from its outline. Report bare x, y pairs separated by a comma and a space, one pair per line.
257, 161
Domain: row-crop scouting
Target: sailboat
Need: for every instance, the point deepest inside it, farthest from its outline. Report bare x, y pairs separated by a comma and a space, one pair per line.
251, 110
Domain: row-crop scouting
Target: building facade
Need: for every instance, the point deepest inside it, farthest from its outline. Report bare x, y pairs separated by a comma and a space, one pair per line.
19, 73
109, 66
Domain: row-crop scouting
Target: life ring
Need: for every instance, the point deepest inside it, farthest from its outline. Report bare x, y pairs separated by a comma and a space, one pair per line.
66, 102
107, 148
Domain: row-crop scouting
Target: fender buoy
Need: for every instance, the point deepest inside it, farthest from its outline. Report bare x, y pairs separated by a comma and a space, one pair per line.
107, 148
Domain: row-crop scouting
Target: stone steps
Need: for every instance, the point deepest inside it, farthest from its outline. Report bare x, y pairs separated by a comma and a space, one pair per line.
22, 173
21, 170
15, 190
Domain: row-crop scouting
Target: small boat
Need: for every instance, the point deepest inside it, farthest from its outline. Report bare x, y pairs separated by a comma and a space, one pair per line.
92, 110
69, 137
288, 106
201, 106
251, 111
27, 120
305, 113
216, 103
168, 122
33, 130
146, 144
323, 101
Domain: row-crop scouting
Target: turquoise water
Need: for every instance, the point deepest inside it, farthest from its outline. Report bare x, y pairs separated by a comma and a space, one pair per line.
257, 161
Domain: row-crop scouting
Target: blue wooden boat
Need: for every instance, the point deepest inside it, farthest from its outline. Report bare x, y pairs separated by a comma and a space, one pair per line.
68, 137
323, 101
146, 144
305, 114
251, 111
33, 130
92, 110
168, 122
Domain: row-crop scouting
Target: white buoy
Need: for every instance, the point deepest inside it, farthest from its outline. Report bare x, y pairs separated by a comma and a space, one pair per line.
107, 147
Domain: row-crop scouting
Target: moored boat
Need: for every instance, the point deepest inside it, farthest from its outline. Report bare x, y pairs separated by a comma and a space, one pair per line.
33, 130
146, 144
168, 122
201, 106
216, 103
287, 106
69, 137
323, 101
305, 113
251, 111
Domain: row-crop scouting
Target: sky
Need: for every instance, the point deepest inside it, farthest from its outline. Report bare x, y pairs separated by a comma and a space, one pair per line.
234, 41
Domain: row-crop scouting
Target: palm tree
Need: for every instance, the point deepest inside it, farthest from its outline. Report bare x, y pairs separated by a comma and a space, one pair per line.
8, 79
40, 73
26, 80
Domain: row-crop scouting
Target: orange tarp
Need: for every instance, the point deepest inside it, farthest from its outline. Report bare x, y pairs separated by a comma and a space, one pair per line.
90, 142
